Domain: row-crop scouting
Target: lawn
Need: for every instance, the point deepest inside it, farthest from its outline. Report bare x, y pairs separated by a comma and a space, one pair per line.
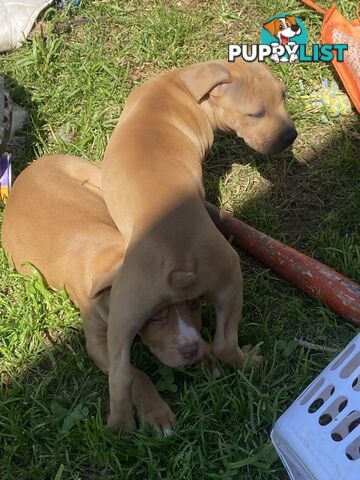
53, 400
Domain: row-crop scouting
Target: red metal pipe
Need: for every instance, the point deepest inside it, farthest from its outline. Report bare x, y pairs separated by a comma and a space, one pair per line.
316, 279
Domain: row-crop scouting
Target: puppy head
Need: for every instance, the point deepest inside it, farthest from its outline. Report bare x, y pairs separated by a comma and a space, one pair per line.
247, 98
173, 334
283, 28
291, 28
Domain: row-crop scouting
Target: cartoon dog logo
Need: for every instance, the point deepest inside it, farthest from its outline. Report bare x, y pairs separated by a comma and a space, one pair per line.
283, 28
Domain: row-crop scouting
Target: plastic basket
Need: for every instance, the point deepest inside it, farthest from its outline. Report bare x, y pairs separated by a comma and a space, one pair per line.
318, 437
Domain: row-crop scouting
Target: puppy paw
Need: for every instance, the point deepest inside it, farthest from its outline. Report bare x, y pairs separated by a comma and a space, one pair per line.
212, 367
293, 58
159, 416
240, 358
252, 356
209, 363
124, 424
215, 372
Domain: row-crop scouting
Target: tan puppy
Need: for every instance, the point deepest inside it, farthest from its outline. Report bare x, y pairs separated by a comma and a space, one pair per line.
152, 183
56, 219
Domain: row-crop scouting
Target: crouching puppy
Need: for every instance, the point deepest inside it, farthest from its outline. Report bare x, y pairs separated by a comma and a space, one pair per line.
56, 219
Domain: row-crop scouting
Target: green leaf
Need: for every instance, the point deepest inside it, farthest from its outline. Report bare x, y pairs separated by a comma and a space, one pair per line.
265, 457
79, 413
58, 410
59, 473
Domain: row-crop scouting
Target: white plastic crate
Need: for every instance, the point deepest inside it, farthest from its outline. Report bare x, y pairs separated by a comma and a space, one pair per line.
318, 437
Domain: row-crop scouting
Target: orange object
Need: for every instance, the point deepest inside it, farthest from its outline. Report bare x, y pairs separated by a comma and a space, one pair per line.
337, 29
316, 279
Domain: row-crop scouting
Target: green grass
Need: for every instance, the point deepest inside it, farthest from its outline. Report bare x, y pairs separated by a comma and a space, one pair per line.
53, 400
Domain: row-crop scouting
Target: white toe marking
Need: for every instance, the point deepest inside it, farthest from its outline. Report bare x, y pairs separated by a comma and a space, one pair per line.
216, 372
167, 432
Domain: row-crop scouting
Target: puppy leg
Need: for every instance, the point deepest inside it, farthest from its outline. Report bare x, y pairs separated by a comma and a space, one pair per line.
95, 328
228, 304
209, 361
120, 336
129, 310
151, 409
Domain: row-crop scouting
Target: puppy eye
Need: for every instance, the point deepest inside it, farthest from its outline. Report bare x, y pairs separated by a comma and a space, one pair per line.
287, 24
281, 26
258, 114
283, 93
158, 319
193, 304
160, 316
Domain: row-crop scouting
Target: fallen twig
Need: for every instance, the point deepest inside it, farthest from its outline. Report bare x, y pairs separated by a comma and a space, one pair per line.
314, 346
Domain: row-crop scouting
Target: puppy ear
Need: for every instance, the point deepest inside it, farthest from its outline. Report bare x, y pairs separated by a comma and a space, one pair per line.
200, 79
101, 282
219, 89
291, 19
271, 26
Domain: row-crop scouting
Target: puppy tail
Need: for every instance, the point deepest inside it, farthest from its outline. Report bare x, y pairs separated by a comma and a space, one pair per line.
181, 279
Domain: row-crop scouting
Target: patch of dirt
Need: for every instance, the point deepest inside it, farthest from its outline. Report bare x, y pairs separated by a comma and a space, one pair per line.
240, 185
308, 182
141, 72
305, 206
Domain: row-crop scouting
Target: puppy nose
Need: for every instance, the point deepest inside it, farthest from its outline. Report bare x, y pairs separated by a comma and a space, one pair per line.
295, 28
289, 136
189, 350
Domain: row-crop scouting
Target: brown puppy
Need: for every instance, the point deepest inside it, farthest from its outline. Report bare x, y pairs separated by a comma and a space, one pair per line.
152, 184
56, 219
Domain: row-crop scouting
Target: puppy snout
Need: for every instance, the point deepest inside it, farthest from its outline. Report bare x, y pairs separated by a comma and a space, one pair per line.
284, 138
289, 136
189, 350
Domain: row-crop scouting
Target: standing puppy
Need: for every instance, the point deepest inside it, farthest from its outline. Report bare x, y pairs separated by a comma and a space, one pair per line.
152, 184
